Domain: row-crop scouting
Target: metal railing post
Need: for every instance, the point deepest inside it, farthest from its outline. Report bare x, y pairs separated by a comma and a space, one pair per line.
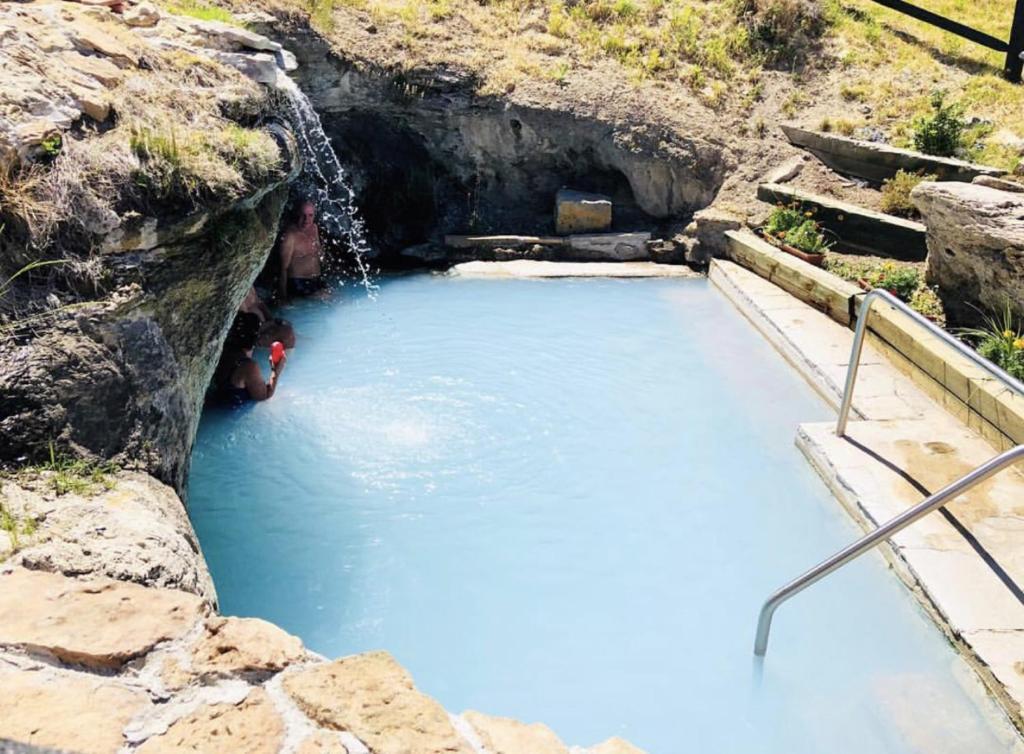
933, 502
1014, 63
869, 541
858, 346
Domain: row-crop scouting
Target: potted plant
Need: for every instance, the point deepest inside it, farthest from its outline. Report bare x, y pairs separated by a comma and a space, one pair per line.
795, 231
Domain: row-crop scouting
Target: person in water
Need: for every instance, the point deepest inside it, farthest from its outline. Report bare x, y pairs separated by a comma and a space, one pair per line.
269, 327
245, 380
300, 255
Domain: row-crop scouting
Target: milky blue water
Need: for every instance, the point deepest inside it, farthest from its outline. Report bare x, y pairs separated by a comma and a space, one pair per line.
565, 500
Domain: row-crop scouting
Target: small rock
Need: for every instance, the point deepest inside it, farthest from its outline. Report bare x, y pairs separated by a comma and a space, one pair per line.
787, 171
100, 624
999, 183
322, 742
90, 36
253, 726
260, 67
373, 697
503, 735
66, 711
580, 212
101, 69
239, 645
143, 14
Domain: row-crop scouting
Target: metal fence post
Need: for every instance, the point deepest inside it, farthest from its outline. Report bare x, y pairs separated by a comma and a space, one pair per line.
1014, 64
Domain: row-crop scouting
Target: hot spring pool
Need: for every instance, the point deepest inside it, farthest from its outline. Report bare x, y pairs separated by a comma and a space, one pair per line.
564, 500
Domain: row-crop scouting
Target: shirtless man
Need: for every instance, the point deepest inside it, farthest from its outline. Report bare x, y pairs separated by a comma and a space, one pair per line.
300, 256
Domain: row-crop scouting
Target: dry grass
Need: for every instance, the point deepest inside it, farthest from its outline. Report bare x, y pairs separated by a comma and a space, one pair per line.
851, 56
172, 148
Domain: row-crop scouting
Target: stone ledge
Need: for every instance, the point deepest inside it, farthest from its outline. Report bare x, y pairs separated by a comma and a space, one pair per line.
877, 162
966, 598
947, 377
856, 227
96, 666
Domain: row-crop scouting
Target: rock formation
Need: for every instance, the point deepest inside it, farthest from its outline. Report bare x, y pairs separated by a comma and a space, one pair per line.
975, 248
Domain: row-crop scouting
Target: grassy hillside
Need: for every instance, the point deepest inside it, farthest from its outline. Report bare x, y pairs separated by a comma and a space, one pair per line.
845, 64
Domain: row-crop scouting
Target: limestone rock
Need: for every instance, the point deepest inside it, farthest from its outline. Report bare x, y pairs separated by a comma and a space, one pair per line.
232, 645
66, 711
89, 36
322, 742
579, 212
136, 531
503, 735
785, 172
253, 726
101, 69
260, 67
620, 247
372, 697
143, 14
999, 183
615, 745
975, 247
100, 624
708, 229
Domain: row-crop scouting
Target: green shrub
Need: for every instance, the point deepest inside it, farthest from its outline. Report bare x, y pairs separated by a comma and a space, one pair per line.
900, 281
941, 133
792, 225
1000, 341
781, 29
896, 193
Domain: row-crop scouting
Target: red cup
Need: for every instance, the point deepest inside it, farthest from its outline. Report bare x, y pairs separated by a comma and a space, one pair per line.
276, 352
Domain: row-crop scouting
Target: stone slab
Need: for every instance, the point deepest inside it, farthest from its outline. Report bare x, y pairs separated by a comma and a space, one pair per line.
856, 227
65, 711
503, 735
818, 346
373, 697
98, 624
244, 645
619, 247
878, 162
525, 268
253, 726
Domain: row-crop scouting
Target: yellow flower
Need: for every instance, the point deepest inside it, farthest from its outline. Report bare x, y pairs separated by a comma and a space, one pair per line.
1007, 334
807, 214
1019, 344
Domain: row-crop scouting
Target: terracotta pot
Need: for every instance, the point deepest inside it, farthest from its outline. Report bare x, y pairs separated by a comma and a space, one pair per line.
816, 259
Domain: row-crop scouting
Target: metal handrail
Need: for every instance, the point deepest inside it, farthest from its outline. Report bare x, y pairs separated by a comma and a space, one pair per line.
868, 541
858, 346
926, 506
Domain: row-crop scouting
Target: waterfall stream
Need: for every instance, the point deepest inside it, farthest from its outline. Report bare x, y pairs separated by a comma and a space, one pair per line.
335, 199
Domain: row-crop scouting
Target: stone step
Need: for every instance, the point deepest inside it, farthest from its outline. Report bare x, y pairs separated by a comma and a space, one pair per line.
878, 162
856, 227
